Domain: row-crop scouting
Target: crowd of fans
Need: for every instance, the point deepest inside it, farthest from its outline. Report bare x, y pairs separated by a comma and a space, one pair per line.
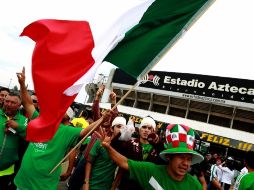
118, 155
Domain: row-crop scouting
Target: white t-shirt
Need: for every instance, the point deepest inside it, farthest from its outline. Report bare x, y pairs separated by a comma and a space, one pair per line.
227, 175
216, 172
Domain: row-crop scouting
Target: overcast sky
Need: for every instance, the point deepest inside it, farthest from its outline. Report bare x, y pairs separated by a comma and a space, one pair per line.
220, 43
15, 15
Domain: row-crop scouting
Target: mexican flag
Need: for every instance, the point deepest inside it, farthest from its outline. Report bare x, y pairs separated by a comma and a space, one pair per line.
159, 28
68, 53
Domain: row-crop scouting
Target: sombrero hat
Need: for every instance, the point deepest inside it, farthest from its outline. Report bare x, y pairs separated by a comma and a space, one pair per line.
180, 139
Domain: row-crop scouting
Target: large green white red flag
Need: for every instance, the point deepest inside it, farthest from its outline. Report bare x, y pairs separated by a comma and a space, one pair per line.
159, 28
66, 55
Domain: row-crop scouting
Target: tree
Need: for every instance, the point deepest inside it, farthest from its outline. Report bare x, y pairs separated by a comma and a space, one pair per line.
15, 88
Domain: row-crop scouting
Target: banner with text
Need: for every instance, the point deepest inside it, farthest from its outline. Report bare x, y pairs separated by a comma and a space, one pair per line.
231, 91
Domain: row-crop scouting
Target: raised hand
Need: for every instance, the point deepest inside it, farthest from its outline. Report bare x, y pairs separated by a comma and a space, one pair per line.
21, 77
100, 92
113, 97
107, 115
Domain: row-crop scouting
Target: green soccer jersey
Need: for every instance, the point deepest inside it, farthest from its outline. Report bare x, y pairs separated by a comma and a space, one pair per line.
40, 158
103, 168
245, 182
9, 142
151, 177
146, 150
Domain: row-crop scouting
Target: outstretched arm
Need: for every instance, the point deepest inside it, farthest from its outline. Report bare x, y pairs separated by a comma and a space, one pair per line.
202, 181
88, 169
106, 116
95, 106
113, 103
26, 98
113, 98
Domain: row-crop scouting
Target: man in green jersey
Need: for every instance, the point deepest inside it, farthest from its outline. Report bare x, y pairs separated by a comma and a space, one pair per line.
12, 128
146, 147
246, 181
40, 158
173, 176
99, 168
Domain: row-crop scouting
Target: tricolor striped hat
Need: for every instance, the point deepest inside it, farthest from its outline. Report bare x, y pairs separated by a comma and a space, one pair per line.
180, 139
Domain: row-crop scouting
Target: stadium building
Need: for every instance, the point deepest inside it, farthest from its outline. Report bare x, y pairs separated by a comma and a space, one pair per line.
220, 109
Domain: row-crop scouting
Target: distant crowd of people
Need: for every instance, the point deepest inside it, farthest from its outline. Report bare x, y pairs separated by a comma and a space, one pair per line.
118, 155
223, 173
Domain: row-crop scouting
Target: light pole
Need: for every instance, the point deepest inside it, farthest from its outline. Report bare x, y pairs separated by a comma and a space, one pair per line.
10, 83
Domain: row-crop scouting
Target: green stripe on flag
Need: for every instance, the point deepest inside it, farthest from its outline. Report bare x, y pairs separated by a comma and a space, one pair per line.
157, 31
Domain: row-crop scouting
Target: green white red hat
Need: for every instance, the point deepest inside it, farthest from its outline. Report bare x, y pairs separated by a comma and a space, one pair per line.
180, 140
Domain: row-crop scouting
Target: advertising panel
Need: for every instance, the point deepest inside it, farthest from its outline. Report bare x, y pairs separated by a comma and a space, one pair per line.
222, 90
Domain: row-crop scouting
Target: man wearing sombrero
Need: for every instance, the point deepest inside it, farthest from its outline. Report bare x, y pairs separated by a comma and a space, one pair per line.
179, 155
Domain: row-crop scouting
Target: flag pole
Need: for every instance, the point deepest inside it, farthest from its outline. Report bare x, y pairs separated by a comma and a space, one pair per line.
125, 95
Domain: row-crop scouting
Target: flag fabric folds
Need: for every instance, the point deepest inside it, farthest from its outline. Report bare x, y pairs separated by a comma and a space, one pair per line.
161, 25
67, 53
66, 56
62, 54
109, 39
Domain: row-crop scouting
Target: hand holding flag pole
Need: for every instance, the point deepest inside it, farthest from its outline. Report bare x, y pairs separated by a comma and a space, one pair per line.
96, 125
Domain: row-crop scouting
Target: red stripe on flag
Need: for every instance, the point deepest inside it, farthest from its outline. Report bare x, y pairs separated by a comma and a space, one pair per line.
62, 55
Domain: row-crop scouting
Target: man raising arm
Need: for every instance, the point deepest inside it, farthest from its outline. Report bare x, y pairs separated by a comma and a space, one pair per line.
40, 158
173, 176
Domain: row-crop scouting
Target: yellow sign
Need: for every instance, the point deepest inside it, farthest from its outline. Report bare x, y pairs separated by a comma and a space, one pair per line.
226, 142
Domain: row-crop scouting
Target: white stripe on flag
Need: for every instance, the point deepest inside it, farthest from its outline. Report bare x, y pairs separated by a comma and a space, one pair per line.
108, 40
155, 184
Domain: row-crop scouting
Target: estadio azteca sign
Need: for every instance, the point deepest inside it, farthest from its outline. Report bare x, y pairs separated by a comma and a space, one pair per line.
232, 91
